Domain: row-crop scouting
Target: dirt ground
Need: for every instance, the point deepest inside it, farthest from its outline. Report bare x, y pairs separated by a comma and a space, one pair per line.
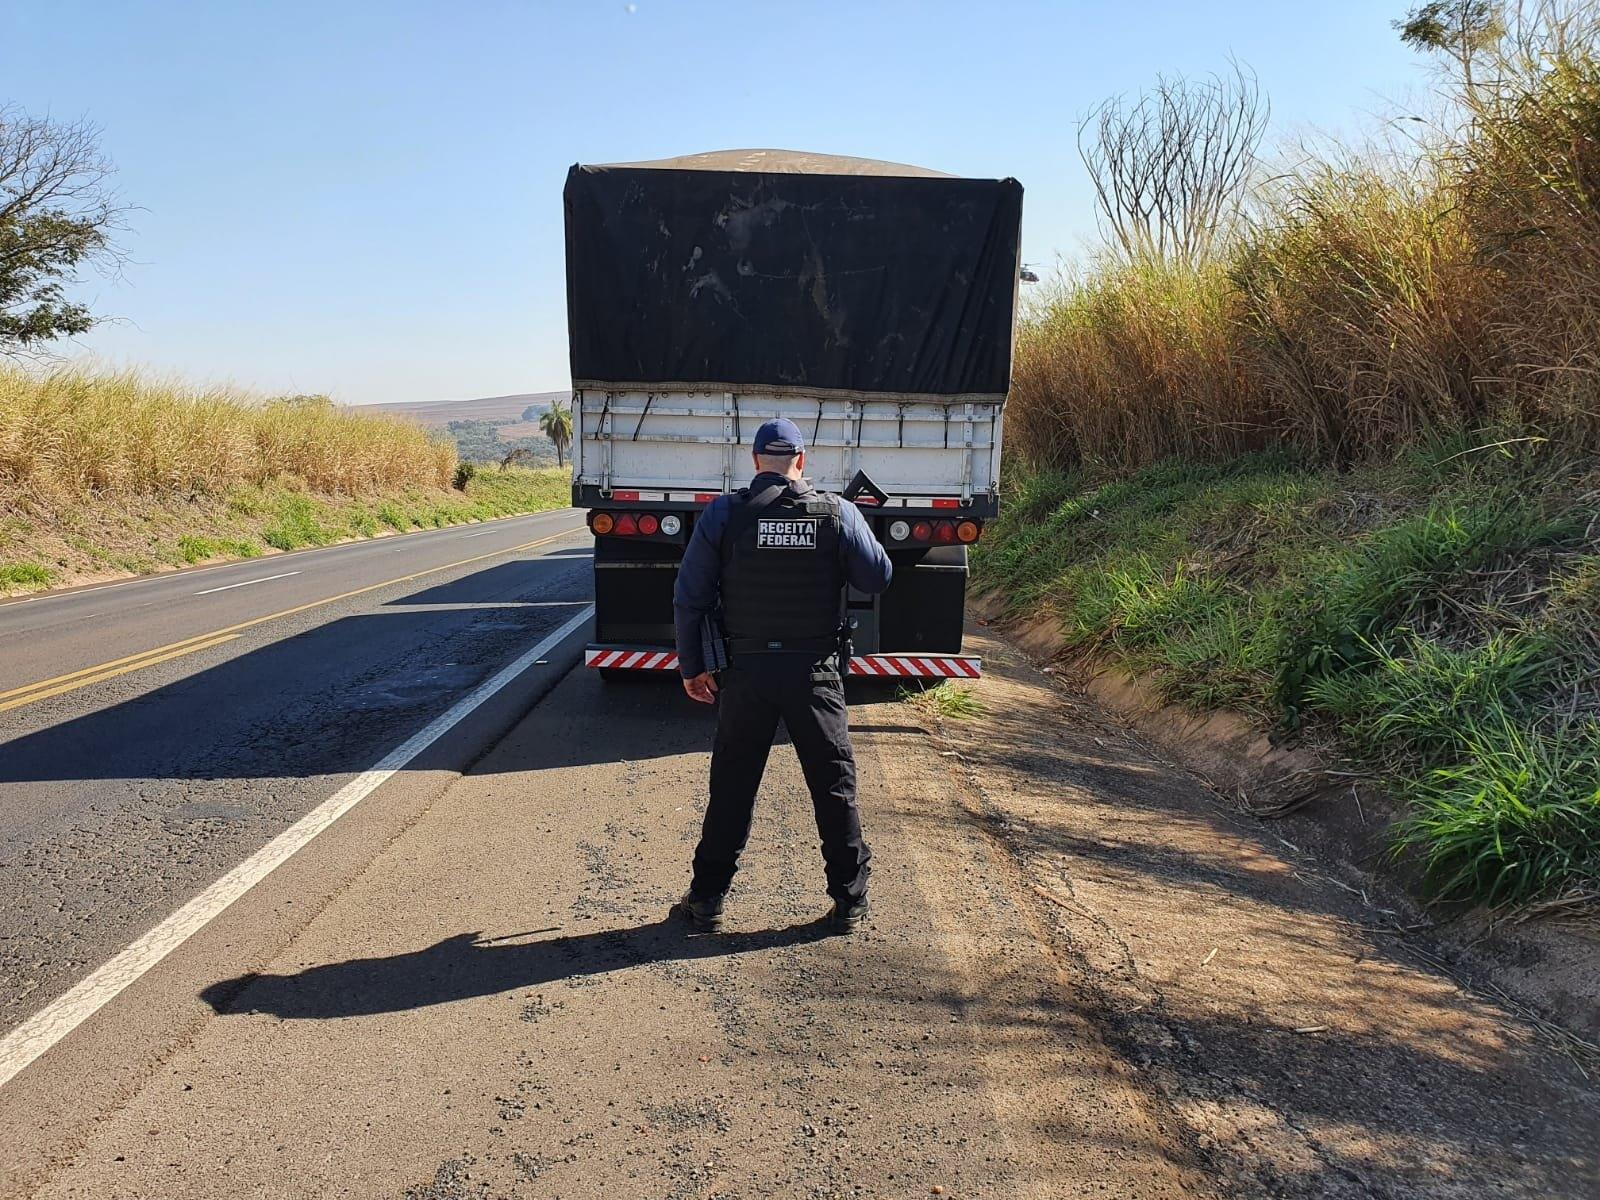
1084, 977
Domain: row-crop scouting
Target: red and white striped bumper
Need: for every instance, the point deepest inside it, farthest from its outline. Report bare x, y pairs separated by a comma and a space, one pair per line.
888, 666
920, 666
625, 659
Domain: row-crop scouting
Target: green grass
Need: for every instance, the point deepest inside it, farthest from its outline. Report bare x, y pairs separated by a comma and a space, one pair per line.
943, 700
26, 576
46, 545
1438, 615
193, 548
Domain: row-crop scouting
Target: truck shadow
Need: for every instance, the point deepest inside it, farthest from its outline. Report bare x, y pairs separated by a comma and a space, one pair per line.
324, 701
465, 965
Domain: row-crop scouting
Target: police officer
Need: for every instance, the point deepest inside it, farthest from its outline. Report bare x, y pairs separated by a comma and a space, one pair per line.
777, 555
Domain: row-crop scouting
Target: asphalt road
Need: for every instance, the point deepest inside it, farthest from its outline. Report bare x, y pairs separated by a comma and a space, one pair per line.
155, 732
1085, 974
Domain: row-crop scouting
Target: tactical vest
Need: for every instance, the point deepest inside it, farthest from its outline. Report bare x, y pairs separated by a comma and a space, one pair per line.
782, 570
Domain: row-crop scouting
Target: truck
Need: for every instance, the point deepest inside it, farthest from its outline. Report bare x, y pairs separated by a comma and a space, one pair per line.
872, 303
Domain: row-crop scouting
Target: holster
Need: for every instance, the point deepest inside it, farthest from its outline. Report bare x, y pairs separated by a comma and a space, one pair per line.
713, 644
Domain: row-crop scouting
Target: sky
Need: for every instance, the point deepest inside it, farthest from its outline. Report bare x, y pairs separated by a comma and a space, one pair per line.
363, 197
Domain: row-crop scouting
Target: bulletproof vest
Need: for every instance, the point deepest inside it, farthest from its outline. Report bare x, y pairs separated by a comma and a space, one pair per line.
782, 574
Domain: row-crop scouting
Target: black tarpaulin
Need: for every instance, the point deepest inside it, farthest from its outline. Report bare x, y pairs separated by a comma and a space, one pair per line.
780, 270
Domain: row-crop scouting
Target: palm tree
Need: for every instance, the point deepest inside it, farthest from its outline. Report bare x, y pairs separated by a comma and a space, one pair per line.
556, 422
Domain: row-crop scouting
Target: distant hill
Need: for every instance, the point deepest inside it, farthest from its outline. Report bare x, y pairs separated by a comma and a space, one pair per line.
502, 410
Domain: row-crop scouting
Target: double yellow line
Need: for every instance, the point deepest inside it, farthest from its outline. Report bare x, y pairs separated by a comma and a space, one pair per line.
45, 688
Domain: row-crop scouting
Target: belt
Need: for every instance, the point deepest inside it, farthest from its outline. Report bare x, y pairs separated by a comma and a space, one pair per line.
828, 645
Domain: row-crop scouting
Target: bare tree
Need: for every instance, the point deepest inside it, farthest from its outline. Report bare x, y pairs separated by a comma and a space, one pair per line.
1170, 168
57, 215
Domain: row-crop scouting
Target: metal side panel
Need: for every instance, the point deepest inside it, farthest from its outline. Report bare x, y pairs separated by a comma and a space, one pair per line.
698, 441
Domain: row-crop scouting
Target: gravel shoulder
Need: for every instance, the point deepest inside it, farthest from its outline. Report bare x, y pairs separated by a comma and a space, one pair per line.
1083, 978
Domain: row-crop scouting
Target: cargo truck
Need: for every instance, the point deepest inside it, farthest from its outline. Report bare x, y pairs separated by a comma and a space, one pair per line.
871, 303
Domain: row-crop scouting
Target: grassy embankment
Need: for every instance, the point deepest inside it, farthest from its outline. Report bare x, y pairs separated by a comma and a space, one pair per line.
112, 474
1346, 478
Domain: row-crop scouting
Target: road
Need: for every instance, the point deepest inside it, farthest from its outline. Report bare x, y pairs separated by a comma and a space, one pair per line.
155, 732
1084, 977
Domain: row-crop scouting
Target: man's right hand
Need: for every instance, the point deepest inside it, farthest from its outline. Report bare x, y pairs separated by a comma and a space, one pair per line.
702, 687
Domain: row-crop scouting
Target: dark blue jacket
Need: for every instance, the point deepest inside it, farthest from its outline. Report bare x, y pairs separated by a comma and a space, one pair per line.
699, 575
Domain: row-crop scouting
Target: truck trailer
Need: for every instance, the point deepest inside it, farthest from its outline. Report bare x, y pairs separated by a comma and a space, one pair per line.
871, 303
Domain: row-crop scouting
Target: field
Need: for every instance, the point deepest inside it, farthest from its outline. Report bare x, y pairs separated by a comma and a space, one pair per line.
436, 414
104, 475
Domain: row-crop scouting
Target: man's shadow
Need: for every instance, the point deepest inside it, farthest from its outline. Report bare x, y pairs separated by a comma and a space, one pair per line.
467, 965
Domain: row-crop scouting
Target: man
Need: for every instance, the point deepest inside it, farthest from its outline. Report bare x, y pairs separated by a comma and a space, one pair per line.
777, 555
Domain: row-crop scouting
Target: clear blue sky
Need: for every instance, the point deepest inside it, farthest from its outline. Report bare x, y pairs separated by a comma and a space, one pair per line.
363, 197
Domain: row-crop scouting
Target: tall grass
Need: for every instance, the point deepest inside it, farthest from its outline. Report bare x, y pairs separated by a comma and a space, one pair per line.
1369, 303
76, 434
1435, 614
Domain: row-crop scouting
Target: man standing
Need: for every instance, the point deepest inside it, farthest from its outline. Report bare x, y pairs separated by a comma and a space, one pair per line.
778, 556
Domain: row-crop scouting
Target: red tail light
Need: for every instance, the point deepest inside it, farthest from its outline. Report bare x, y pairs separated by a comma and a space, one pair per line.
921, 532
648, 524
626, 525
944, 532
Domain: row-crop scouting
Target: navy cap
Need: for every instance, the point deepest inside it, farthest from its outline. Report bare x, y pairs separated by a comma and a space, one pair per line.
780, 437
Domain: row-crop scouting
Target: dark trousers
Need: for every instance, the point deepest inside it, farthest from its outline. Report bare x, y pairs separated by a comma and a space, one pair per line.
809, 699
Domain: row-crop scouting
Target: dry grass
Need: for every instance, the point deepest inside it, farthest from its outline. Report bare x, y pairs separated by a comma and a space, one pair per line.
111, 474
79, 434
1369, 304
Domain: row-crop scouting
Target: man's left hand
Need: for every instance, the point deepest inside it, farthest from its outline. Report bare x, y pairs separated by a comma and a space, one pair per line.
702, 687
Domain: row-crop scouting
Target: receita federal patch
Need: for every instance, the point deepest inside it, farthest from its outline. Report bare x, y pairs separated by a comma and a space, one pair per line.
786, 533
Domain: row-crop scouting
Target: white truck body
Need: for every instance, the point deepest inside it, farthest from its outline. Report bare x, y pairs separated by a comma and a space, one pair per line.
681, 445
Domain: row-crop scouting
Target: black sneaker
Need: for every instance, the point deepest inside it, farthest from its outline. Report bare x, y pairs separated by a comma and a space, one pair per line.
704, 915
847, 915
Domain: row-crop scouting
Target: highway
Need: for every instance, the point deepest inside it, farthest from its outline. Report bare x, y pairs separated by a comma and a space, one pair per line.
328, 875
155, 732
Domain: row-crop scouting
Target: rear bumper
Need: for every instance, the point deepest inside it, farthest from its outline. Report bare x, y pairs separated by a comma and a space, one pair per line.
885, 666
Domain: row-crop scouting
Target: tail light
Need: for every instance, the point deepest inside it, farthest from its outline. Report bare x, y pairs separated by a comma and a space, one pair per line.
968, 531
602, 522
648, 524
922, 531
944, 532
627, 525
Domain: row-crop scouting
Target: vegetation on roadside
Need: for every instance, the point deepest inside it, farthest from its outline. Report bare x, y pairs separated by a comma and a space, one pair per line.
1438, 614
110, 474
1363, 301
1342, 470
945, 700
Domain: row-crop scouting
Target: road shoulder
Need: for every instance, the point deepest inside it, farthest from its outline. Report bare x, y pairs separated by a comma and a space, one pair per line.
1305, 1041
497, 1006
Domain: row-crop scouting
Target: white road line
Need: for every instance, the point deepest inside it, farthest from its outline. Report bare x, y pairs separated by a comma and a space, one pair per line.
480, 533
228, 587
61, 1016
